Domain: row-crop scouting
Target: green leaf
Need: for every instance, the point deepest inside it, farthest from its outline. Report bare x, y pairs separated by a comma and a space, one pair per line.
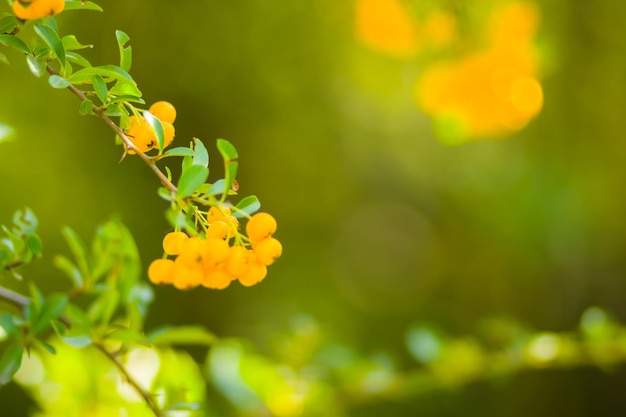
164, 193
181, 335
70, 43
103, 308
7, 322
230, 156
108, 72
78, 249
118, 99
56, 81
86, 106
10, 362
201, 156
36, 66
180, 151
127, 88
247, 206
126, 53
77, 59
156, 125
33, 242
8, 23
3, 58
80, 5
48, 347
78, 341
15, 43
70, 270
51, 38
26, 221
100, 87
52, 22
191, 179
52, 308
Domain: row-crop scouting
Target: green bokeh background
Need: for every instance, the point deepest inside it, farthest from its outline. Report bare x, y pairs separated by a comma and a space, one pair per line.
382, 225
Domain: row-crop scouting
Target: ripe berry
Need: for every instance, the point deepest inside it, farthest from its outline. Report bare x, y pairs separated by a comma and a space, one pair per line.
168, 134
260, 226
141, 134
160, 271
164, 110
217, 279
268, 250
37, 9
237, 261
173, 242
256, 272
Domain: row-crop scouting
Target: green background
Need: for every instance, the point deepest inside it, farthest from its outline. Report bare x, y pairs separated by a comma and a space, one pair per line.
382, 225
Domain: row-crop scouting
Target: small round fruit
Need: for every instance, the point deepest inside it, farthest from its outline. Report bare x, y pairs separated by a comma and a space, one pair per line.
260, 226
165, 111
268, 250
173, 242
160, 271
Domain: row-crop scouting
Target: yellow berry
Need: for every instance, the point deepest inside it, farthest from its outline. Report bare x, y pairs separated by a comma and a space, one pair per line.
185, 277
268, 250
260, 226
218, 229
216, 279
165, 111
216, 251
140, 133
218, 214
160, 271
192, 252
173, 242
255, 273
168, 133
37, 9
237, 261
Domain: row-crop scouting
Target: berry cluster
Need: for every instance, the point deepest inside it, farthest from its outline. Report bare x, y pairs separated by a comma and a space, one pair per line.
37, 9
141, 133
211, 261
493, 91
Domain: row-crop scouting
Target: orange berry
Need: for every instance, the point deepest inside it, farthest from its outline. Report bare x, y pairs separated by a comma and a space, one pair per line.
160, 271
218, 229
165, 111
141, 134
192, 252
185, 276
37, 9
261, 226
268, 250
173, 242
237, 261
216, 279
218, 214
216, 251
255, 274
168, 133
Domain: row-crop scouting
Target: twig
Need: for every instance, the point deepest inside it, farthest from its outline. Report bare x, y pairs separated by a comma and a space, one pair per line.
144, 394
14, 298
20, 301
99, 111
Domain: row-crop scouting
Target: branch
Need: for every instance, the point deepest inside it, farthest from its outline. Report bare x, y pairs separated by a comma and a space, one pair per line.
120, 366
99, 111
20, 301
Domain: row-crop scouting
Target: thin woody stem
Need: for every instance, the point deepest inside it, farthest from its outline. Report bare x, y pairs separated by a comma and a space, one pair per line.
20, 301
99, 111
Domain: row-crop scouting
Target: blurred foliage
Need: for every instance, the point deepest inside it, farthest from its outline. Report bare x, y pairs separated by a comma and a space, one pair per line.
389, 231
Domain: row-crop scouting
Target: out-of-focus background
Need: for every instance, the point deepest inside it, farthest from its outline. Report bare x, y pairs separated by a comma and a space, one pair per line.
436, 162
